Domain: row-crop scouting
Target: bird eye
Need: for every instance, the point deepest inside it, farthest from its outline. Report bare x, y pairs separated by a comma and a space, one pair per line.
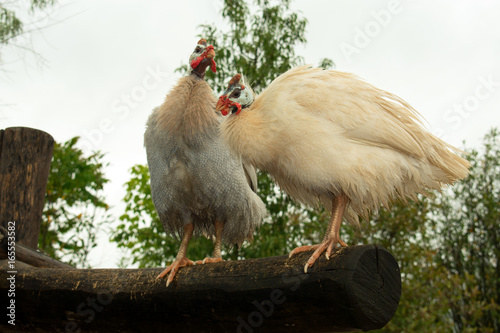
236, 93
197, 50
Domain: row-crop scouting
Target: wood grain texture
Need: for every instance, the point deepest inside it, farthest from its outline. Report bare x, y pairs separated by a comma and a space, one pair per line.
357, 289
25, 157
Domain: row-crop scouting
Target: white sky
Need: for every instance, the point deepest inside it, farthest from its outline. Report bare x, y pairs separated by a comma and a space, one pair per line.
441, 56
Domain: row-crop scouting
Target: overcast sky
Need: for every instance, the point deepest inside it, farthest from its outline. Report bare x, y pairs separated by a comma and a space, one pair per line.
108, 63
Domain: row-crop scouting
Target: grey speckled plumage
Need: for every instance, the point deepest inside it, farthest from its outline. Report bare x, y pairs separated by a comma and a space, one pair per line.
194, 176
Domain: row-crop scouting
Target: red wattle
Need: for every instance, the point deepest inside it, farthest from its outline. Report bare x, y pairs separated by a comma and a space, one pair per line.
196, 62
238, 105
213, 66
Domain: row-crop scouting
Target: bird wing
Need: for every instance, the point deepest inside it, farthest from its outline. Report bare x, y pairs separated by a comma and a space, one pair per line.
365, 114
251, 176
249, 169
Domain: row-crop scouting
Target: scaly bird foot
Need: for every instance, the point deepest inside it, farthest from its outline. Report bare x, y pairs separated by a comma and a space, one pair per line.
305, 248
325, 246
209, 260
173, 268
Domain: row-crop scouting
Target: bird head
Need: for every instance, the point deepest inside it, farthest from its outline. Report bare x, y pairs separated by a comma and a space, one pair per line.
236, 97
203, 56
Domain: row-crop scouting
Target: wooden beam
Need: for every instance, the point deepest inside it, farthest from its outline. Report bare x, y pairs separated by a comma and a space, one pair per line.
25, 156
20, 253
357, 289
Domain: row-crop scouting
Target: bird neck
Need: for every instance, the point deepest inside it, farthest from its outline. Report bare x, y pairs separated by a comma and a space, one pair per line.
189, 109
198, 74
248, 135
201, 69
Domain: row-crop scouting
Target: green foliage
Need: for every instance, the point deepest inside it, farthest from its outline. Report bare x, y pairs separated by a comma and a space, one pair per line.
41, 4
327, 63
469, 231
74, 204
10, 25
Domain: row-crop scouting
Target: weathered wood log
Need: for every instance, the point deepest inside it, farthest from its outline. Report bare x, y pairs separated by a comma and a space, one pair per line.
20, 253
357, 289
25, 156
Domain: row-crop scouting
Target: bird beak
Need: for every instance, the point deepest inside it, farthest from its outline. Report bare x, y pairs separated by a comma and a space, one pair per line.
210, 54
224, 105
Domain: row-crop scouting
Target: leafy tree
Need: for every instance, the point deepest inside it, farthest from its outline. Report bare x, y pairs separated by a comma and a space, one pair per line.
75, 208
261, 45
469, 229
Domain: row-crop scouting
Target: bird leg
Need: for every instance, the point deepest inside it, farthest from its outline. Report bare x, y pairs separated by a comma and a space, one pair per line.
217, 257
180, 260
331, 237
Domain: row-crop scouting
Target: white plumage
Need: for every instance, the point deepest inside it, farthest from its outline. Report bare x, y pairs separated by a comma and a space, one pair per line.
329, 136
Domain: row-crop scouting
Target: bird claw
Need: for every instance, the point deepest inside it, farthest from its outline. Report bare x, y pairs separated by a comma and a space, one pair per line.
326, 246
208, 260
305, 248
329, 250
173, 268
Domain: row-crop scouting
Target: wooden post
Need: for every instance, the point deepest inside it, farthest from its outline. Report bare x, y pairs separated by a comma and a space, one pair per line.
25, 156
357, 289
26, 255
